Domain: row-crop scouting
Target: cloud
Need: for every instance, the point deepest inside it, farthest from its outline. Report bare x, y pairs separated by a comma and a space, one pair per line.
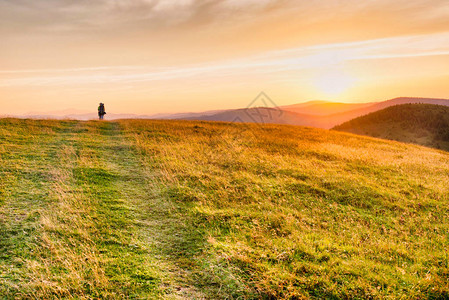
116, 13
283, 61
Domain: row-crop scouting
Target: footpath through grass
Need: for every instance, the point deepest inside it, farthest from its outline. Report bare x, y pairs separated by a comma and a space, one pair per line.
165, 209
79, 216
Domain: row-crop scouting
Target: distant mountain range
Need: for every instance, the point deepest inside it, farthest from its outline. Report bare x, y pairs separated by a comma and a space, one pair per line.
423, 124
322, 108
321, 114
75, 114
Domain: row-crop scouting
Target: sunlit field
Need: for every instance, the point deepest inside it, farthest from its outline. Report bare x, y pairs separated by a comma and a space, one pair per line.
176, 209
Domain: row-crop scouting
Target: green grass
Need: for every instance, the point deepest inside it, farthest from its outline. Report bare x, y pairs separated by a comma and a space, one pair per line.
70, 217
174, 209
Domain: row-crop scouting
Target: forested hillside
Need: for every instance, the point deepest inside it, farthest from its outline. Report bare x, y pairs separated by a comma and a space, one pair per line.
423, 124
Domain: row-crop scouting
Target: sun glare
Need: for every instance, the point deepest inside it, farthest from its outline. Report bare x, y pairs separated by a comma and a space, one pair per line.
333, 83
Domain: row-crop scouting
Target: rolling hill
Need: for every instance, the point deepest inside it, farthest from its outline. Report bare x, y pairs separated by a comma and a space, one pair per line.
322, 108
148, 209
318, 114
423, 124
262, 115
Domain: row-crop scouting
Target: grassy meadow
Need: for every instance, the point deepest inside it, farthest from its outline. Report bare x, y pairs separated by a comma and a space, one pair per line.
144, 209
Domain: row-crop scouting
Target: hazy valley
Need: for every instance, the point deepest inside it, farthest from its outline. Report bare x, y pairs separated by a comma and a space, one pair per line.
320, 114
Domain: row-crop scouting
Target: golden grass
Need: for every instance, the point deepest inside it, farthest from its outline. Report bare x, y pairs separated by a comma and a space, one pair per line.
73, 258
307, 213
220, 211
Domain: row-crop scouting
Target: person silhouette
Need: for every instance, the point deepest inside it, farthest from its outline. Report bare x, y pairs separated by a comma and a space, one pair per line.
101, 111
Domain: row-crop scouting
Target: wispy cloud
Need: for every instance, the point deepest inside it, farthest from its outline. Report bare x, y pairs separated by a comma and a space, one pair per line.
397, 47
314, 57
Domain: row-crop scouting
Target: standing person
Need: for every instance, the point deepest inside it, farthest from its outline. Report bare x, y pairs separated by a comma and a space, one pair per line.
101, 111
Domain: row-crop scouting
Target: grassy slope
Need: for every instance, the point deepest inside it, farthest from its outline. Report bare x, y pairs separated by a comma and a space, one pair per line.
422, 124
76, 215
150, 209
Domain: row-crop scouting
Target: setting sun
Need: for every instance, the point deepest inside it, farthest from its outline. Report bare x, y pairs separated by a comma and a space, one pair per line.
334, 82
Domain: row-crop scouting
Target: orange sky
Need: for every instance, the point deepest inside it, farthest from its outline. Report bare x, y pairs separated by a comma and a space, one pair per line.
154, 56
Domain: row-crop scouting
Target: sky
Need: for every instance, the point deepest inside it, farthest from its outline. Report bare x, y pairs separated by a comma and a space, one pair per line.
167, 56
